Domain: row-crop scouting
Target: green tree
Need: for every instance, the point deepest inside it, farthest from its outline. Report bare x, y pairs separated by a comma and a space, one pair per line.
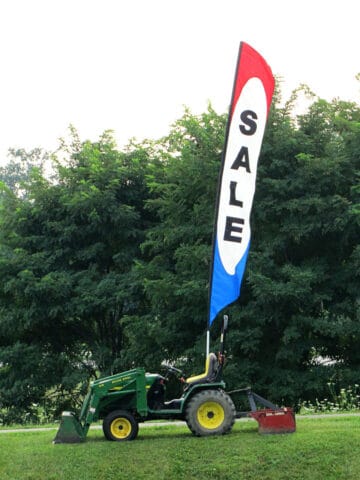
177, 249
300, 303
20, 166
106, 265
67, 248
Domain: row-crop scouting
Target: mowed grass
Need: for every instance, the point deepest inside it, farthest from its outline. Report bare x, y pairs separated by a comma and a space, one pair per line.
321, 449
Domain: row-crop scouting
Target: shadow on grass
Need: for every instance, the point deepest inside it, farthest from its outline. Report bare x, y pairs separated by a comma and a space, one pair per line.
166, 433
141, 437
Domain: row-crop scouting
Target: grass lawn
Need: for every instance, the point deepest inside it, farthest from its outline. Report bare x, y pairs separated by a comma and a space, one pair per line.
321, 449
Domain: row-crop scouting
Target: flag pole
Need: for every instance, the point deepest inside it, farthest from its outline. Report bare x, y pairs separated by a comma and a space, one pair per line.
211, 318
207, 342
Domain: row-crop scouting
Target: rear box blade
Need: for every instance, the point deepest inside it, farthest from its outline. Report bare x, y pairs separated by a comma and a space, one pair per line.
275, 421
70, 430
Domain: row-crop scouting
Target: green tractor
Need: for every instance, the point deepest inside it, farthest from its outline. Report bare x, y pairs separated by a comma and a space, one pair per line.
126, 399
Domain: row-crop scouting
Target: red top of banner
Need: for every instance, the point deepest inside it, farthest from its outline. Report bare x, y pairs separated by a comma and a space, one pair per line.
252, 64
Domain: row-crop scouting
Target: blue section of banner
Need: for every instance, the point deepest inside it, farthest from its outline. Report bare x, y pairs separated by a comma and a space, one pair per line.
225, 288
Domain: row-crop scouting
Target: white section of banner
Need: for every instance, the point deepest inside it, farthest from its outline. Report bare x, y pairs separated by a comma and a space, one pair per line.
252, 99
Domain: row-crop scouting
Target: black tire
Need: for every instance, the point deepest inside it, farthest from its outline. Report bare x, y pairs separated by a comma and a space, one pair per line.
120, 426
210, 412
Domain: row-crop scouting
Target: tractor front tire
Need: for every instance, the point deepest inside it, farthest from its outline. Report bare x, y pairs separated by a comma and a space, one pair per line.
210, 412
120, 426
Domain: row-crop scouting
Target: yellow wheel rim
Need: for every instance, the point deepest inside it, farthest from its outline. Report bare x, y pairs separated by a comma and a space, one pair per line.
210, 415
120, 428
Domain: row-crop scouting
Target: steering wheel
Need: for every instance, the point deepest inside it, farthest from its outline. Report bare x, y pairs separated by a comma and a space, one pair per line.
173, 370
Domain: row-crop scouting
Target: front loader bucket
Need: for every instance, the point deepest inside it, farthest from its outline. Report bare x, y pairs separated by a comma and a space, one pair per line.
280, 420
70, 430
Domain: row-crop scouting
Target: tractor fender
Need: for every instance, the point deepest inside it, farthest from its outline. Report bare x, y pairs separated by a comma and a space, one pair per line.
192, 390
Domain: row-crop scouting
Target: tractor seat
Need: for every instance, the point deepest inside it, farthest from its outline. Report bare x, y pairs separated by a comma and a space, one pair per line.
209, 375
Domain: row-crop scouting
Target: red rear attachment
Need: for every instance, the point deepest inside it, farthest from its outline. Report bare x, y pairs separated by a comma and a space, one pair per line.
275, 421
271, 419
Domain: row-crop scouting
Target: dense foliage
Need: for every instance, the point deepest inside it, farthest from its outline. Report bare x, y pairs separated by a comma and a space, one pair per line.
104, 264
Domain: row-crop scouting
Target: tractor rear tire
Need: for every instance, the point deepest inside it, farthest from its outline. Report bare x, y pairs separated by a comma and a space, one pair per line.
120, 426
210, 412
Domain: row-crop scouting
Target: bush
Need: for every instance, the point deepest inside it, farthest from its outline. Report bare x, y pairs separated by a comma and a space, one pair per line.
347, 399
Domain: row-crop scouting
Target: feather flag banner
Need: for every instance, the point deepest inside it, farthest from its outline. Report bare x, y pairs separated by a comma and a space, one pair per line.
251, 99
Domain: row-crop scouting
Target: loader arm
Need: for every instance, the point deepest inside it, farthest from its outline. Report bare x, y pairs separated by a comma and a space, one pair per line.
124, 390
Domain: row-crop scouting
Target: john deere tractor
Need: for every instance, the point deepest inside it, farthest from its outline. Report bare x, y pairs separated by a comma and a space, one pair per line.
124, 400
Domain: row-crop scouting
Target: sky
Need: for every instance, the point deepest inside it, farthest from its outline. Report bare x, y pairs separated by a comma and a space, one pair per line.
132, 65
